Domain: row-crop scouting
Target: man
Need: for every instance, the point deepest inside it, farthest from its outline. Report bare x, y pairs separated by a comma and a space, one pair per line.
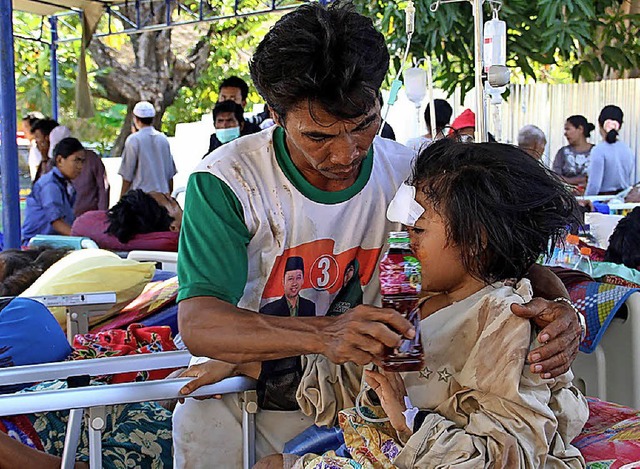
92, 186
236, 89
317, 186
443, 114
228, 119
532, 140
291, 303
147, 163
41, 130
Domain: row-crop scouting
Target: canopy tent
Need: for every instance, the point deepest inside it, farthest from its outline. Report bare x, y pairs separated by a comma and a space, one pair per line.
50, 7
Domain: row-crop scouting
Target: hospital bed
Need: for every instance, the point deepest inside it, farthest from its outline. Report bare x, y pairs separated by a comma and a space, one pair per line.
94, 399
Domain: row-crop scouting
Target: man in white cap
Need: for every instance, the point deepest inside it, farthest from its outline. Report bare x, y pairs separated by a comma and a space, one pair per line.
147, 163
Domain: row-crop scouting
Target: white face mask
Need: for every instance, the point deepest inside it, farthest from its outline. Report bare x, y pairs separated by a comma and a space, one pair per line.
226, 135
404, 208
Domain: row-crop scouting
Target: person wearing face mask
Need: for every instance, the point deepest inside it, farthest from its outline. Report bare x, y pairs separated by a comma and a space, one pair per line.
229, 123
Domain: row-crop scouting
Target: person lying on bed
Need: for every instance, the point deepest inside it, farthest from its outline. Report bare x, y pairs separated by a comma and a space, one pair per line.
138, 221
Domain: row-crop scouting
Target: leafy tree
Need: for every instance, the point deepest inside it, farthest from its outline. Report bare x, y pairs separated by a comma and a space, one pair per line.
596, 39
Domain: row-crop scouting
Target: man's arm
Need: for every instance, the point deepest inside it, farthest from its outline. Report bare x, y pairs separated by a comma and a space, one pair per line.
15, 455
561, 331
214, 328
126, 185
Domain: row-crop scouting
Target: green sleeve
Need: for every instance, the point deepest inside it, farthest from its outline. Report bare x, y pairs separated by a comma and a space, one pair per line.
212, 255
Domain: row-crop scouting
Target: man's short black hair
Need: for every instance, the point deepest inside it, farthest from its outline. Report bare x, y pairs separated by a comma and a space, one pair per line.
145, 120
236, 82
331, 55
499, 205
137, 213
443, 114
44, 125
228, 106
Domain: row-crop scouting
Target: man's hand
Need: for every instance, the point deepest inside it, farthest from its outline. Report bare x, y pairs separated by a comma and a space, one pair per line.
560, 335
213, 371
361, 334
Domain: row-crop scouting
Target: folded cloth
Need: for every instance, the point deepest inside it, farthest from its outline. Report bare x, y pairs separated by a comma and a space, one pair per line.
117, 342
327, 388
599, 303
155, 296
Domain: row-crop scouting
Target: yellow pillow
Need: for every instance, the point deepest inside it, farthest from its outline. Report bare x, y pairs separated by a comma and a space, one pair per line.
93, 271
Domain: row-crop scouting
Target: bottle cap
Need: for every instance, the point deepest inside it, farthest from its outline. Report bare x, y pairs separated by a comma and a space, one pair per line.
585, 251
573, 239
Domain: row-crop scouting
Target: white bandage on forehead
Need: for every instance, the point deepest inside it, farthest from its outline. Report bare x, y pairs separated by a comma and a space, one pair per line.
404, 208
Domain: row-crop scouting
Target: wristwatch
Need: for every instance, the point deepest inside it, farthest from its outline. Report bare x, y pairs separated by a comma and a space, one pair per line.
581, 320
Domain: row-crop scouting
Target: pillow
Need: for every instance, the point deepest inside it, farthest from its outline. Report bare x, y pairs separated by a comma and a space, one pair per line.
93, 271
93, 224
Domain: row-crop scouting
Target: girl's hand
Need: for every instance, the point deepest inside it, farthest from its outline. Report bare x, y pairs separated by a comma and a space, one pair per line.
391, 391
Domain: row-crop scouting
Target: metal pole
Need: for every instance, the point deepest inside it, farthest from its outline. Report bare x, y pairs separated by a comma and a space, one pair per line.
481, 125
54, 67
8, 144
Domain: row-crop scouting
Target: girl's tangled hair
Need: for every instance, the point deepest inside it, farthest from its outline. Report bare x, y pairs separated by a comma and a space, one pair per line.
137, 213
19, 269
500, 205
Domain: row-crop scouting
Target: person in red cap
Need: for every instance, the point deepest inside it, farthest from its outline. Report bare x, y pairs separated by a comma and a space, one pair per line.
465, 126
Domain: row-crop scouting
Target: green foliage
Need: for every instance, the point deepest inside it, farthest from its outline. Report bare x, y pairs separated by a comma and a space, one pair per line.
545, 38
229, 56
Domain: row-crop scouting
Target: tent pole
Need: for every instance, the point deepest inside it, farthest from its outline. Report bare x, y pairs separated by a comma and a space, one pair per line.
54, 66
8, 119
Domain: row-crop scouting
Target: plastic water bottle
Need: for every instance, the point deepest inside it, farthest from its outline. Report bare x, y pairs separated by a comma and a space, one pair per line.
584, 262
570, 255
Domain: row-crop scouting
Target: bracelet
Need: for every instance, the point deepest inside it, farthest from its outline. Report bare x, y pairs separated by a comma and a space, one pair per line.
581, 319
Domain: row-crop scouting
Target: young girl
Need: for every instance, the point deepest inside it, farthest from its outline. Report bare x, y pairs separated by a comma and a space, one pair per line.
49, 208
488, 212
612, 161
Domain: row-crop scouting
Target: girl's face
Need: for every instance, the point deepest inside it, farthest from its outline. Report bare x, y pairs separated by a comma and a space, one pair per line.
572, 134
440, 259
71, 166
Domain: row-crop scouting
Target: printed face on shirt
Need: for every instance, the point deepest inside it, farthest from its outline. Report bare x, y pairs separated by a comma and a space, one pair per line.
172, 206
329, 151
440, 260
71, 166
293, 281
231, 93
572, 134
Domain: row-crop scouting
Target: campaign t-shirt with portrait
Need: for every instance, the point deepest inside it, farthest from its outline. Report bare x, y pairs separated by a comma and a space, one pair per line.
248, 210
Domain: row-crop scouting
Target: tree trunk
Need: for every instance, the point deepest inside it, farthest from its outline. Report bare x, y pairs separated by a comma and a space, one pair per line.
156, 75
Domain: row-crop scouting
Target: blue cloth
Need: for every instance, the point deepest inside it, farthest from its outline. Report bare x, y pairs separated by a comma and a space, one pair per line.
29, 334
51, 199
611, 168
317, 440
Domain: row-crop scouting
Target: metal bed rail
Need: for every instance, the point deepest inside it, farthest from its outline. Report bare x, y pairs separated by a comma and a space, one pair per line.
94, 399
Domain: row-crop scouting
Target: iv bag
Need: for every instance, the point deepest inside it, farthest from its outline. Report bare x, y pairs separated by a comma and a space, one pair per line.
495, 43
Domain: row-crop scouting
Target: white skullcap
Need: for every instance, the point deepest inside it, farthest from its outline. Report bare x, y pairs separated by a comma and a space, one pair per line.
144, 109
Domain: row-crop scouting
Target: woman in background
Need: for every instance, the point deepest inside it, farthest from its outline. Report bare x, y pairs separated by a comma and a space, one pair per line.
572, 161
612, 162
